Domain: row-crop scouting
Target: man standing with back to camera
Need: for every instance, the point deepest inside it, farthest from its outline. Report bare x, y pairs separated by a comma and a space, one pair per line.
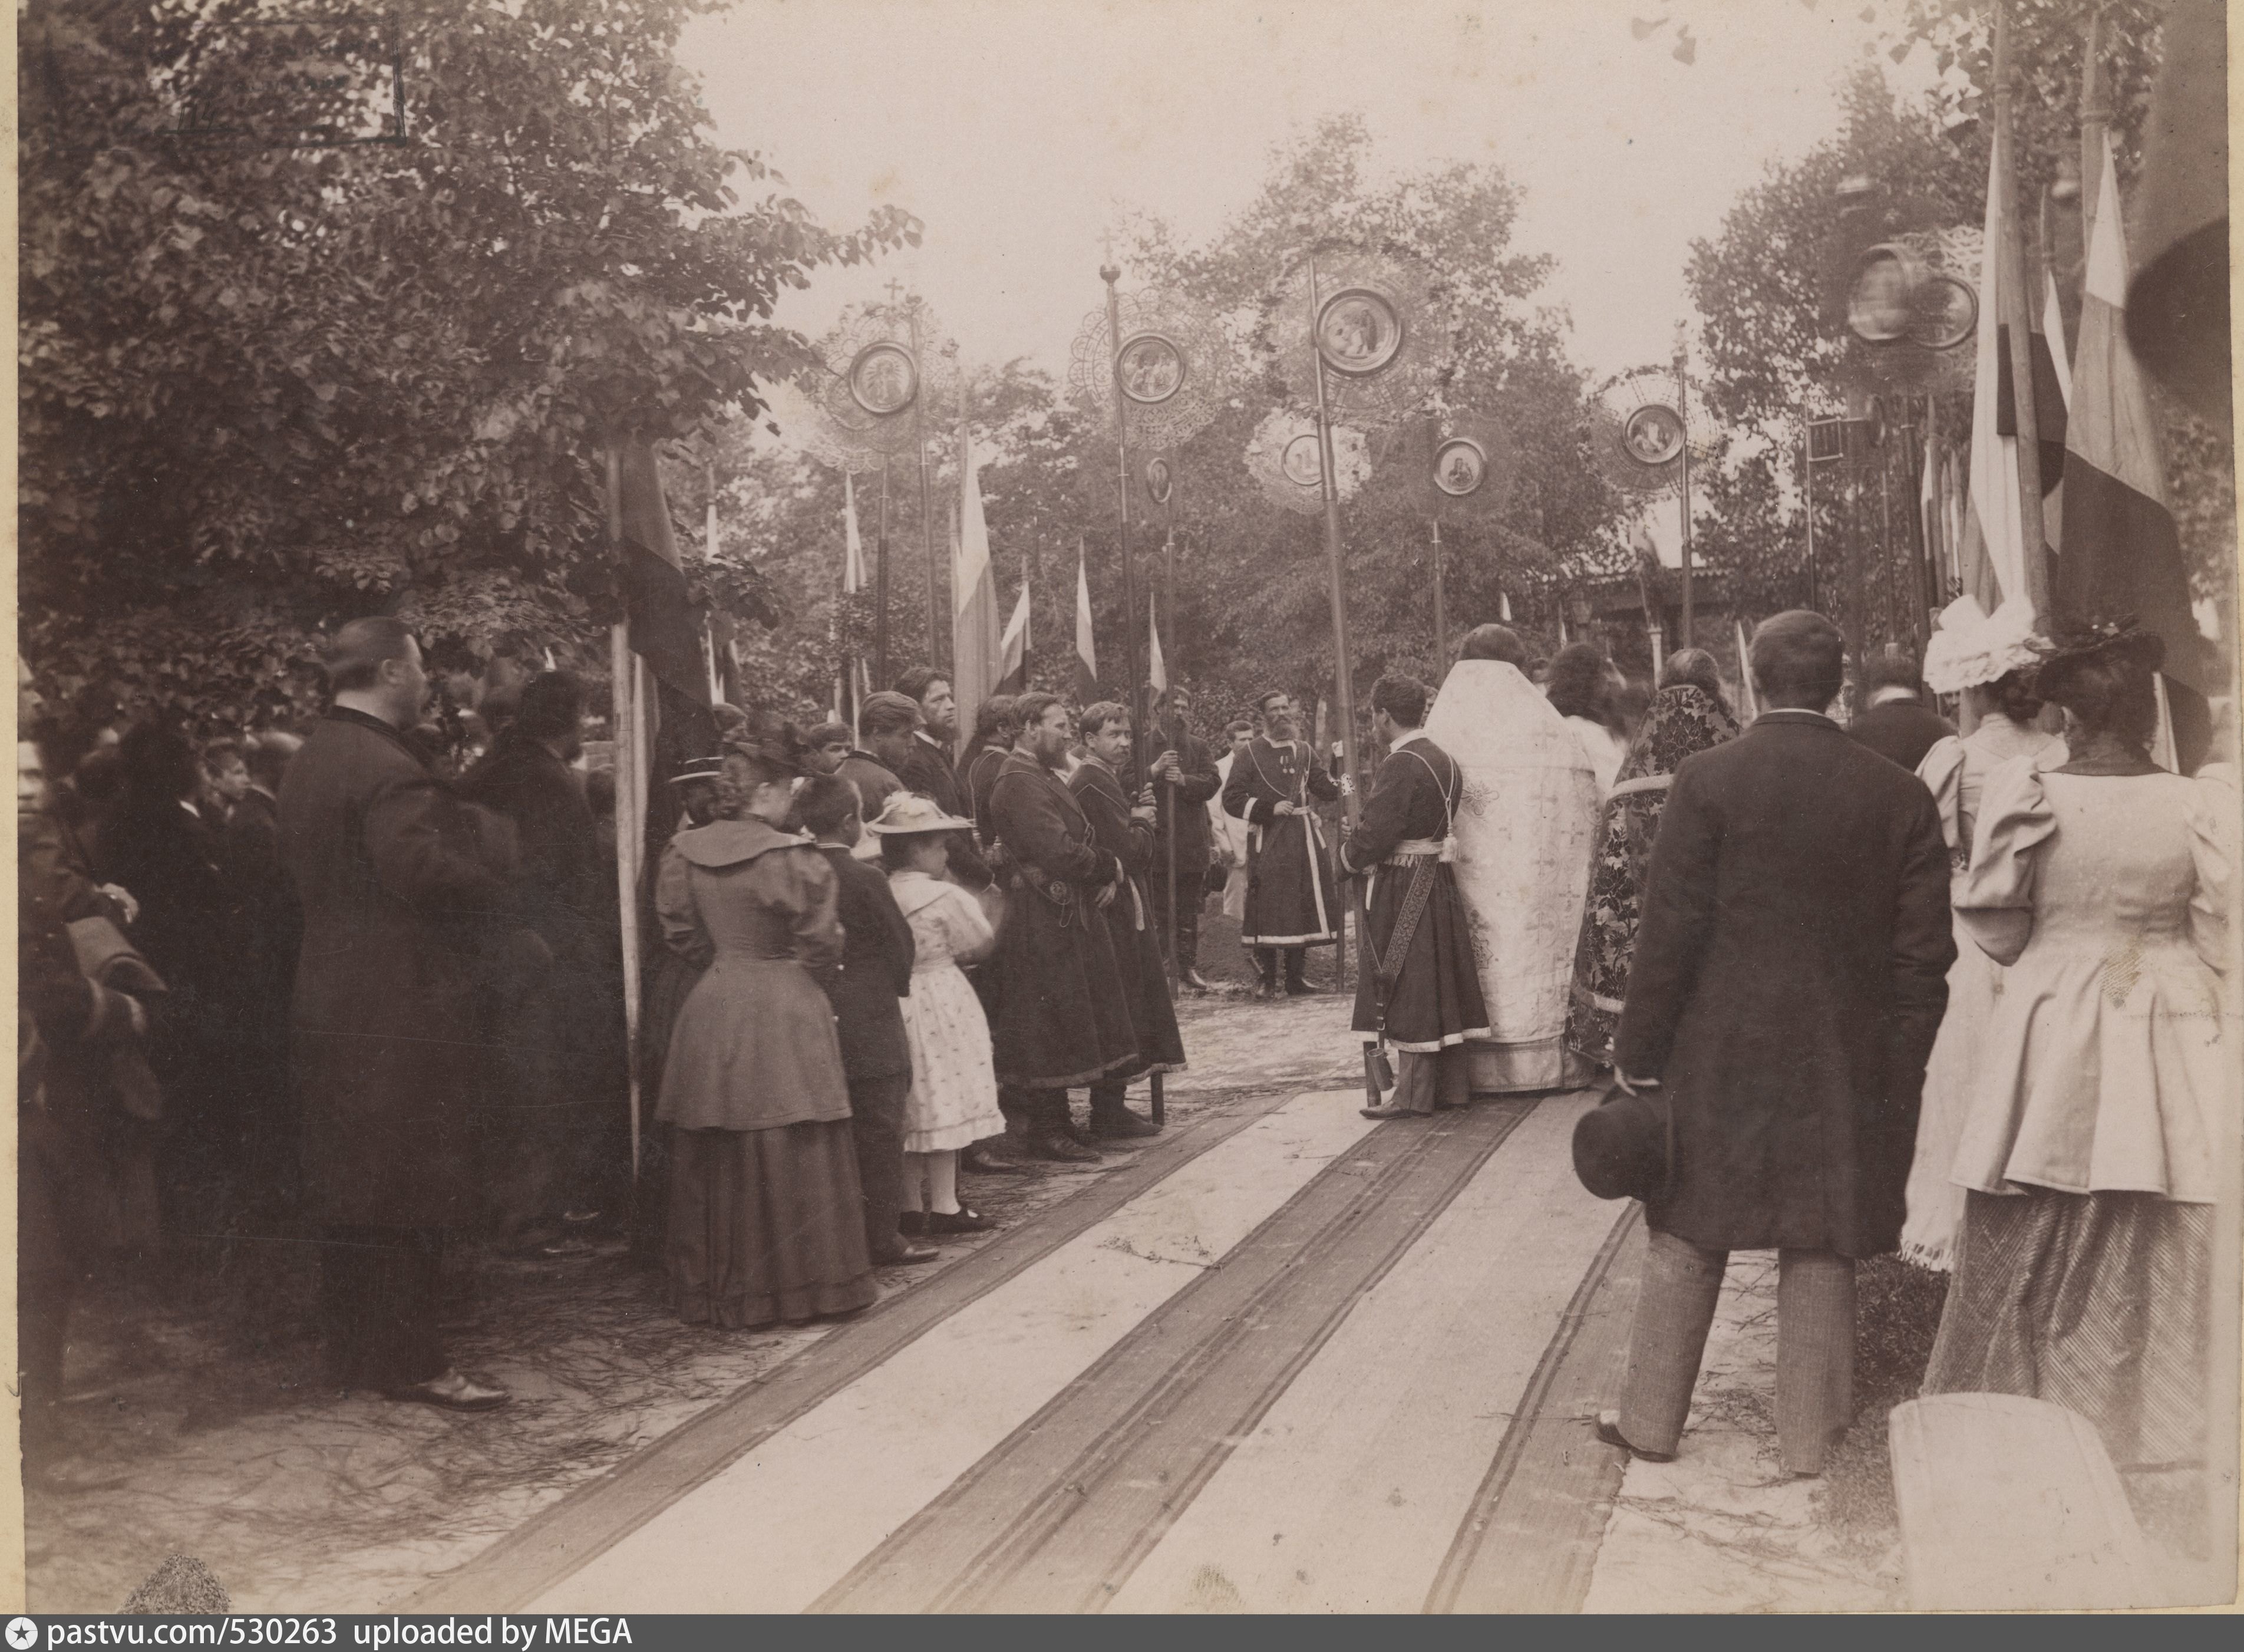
405, 890
1789, 977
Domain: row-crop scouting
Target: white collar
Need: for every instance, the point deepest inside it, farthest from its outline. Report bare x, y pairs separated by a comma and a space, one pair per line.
191, 808
930, 739
1887, 694
1406, 737
1798, 711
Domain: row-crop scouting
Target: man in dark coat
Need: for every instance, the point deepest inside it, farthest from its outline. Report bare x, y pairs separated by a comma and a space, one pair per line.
1291, 904
405, 890
924, 766
272, 929
559, 1032
1789, 977
1063, 1018
886, 723
867, 989
995, 726
1894, 721
1124, 829
1418, 989
1183, 771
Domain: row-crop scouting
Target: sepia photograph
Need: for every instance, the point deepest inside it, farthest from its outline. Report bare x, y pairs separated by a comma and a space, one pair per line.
1182, 807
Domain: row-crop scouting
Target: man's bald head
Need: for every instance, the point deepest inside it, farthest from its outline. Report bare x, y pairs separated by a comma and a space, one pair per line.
1493, 642
355, 658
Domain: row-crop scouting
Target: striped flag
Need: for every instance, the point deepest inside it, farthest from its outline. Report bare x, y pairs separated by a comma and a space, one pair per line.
2122, 553
975, 656
666, 629
1086, 648
857, 678
1993, 556
1013, 648
1156, 672
1748, 703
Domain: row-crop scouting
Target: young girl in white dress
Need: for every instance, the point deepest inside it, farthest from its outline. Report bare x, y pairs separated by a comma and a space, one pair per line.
954, 1093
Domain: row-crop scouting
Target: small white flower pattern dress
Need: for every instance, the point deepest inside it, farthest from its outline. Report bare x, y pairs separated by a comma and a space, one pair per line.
954, 1093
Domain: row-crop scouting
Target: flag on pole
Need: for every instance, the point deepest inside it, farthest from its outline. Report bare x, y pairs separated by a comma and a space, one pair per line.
1748, 703
1086, 650
975, 655
1013, 648
856, 683
2052, 389
2122, 552
1504, 607
666, 629
1993, 559
1156, 672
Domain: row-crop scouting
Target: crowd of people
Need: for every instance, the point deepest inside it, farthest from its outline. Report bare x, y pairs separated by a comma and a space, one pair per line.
1895, 986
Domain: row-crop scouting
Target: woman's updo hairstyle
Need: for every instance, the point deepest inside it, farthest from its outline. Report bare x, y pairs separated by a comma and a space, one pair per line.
2102, 673
2014, 696
763, 749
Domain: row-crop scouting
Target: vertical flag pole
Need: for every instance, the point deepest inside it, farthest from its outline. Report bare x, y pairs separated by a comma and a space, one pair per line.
1110, 274
630, 809
926, 511
1176, 733
1344, 658
1808, 496
881, 587
1683, 407
1441, 609
2018, 303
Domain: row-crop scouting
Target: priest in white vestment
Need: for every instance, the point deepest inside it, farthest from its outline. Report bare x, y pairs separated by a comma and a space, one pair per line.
1525, 833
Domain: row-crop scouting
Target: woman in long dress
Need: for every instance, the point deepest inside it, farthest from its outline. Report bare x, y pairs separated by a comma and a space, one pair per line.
1687, 715
1990, 661
954, 1079
766, 1220
2083, 1266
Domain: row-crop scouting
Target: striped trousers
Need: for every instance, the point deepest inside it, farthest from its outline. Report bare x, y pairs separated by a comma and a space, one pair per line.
1815, 1347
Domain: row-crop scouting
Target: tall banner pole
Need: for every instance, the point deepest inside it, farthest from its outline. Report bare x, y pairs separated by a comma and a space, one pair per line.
2011, 254
1807, 502
1329, 480
1683, 408
881, 588
926, 511
1135, 699
630, 809
1441, 609
1176, 731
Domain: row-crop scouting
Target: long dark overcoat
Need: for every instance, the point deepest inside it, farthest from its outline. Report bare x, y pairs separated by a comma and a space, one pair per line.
1789, 977
405, 892
1132, 921
1290, 899
1063, 1018
1436, 1000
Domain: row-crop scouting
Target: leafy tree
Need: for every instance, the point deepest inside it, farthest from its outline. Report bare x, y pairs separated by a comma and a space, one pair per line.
267, 384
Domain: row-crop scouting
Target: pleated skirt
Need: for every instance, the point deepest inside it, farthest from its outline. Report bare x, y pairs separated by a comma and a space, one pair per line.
2098, 1302
767, 1225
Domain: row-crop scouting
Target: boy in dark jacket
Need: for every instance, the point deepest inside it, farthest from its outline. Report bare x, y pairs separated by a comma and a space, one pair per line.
866, 989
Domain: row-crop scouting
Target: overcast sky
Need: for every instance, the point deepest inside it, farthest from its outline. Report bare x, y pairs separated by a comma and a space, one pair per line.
1019, 130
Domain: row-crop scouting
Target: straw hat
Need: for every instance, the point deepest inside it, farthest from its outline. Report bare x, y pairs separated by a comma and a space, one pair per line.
909, 813
1972, 647
698, 769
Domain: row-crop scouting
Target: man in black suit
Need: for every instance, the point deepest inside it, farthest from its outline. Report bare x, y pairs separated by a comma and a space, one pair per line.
866, 990
1789, 977
1894, 721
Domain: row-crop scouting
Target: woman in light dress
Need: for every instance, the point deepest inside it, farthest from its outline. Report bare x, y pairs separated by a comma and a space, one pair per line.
953, 1093
1991, 662
2108, 1082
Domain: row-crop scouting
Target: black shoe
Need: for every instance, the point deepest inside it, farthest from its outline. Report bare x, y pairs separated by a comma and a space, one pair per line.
912, 1223
1300, 988
1608, 1430
959, 1220
1122, 1124
1085, 1136
1054, 1143
980, 1160
1196, 981
904, 1255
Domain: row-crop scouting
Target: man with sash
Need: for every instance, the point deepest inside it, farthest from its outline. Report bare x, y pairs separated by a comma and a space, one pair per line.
1291, 904
1417, 990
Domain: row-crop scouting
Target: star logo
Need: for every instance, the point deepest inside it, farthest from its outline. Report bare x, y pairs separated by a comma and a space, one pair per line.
23, 1634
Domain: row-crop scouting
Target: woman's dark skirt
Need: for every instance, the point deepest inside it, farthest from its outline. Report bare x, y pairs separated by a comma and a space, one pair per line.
2098, 1302
767, 1225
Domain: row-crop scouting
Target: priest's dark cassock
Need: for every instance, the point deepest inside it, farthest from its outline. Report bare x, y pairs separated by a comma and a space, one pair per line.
1062, 1005
1419, 988
1291, 902
1133, 928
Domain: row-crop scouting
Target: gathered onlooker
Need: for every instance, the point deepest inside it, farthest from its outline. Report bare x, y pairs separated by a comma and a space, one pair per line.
560, 1029
406, 889
766, 1216
1688, 716
1579, 688
869, 987
2108, 1084
1890, 719
1991, 662
953, 1101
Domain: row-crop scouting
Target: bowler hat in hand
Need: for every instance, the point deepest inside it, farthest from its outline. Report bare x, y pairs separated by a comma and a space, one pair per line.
1625, 1147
